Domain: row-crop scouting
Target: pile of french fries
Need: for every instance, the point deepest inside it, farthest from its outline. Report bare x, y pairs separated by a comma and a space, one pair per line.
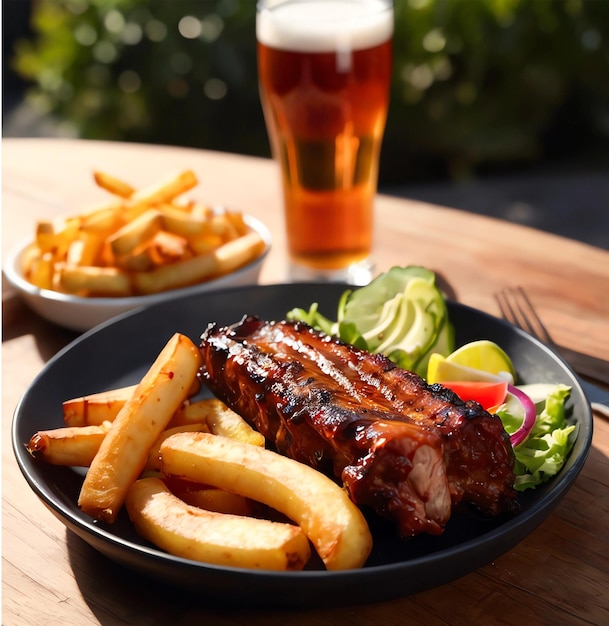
194, 476
140, 242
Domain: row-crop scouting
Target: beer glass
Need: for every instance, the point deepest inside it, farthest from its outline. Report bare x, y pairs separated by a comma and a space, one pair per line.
324, 75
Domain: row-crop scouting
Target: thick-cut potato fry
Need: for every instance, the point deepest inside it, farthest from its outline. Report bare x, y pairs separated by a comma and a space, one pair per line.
228, 540
153, 464
220, 420
125, 449
162, 248
72, 445
45, 235
223, 227
56, 239
104, 406
176, 275
96, 408
113, 185
39, 268
168, 248
236, 219
162, 193
218, 500
78, 445
239, 251
180, 222
205, 242
103, 219
333, 523
223, 260
136, 232
213, 499
95, 281
85, 250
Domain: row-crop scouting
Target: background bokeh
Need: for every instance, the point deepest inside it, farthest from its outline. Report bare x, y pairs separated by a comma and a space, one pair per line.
478, 84
480, 88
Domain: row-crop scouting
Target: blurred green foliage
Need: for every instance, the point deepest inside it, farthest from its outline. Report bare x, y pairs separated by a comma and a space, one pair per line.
483, 82
477, 83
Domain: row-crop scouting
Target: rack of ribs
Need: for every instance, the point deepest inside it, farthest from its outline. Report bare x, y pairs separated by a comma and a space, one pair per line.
410, 451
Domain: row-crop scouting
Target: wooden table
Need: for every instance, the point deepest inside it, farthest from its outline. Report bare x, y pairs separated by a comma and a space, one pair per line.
558, 575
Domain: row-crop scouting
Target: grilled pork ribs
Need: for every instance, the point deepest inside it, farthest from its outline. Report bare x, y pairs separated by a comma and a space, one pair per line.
411, 451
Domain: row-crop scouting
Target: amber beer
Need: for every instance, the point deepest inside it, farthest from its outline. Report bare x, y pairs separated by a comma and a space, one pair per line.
324, 72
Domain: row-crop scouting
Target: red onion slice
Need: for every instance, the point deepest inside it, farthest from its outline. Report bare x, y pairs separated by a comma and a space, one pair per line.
530, 415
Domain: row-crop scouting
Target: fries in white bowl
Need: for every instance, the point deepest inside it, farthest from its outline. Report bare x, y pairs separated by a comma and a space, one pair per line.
139, 248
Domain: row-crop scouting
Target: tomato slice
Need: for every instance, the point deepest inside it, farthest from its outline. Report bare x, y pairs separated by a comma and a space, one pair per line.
487, 394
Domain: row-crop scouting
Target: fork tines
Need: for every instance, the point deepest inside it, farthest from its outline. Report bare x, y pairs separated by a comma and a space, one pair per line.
516, 307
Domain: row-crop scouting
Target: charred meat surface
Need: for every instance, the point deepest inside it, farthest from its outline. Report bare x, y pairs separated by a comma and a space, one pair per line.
411, 451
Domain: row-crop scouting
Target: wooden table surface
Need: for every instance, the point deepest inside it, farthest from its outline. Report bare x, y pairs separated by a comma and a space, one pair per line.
557, 575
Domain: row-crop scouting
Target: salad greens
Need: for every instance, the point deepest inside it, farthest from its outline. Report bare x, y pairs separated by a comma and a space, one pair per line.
547, 446
403, 315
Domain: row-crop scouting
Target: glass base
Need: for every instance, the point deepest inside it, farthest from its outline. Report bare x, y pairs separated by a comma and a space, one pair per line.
360, 273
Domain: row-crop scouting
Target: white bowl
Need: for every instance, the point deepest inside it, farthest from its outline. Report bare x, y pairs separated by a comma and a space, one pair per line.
81, 313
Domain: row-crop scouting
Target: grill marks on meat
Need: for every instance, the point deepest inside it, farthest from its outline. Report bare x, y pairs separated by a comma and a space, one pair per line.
410, 451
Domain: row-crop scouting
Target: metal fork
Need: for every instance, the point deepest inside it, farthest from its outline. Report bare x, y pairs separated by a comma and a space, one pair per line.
517, 309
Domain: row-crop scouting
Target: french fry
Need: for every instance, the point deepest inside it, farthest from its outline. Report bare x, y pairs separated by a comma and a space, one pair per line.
205, 242
223, 227
176, 275
56, 240
85, 249
72, 445
218, 500
335, 525
97, 408
45, 236
236, 219
125, 449
238, 252
103, 219
113, 185
161, 249
77, 445
153, 464
136, 232
220, 420
40, 270
162, 193
223, 260
168, 248
180, 222
228, 540
95, 281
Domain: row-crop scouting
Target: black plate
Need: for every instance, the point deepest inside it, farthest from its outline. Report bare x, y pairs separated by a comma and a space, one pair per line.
119, 352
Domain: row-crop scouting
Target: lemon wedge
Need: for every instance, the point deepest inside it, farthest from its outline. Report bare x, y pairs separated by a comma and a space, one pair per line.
481, 360
483, 355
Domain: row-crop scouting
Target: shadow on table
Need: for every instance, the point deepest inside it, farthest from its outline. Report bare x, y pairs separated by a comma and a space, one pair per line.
26, 322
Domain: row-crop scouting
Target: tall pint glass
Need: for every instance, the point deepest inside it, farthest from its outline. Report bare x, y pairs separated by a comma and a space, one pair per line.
324, 74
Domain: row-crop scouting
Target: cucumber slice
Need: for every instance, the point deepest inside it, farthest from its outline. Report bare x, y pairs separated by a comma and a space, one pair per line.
401, 314
364, 306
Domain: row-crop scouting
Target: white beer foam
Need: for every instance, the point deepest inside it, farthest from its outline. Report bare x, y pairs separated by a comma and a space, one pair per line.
325, 25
